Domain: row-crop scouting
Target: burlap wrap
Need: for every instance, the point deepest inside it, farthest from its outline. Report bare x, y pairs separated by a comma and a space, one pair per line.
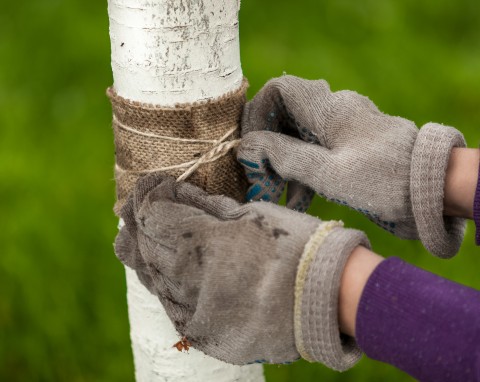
207, 120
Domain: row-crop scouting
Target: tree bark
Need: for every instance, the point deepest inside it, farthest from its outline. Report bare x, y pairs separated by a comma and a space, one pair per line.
166, 52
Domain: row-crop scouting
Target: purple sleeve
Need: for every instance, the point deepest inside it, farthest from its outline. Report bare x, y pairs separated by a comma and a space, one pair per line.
476, 210
421, 323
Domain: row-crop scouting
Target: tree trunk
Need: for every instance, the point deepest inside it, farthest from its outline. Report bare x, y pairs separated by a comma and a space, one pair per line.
166, 52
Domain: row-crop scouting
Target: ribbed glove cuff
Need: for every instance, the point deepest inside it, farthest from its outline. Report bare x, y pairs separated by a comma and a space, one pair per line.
317, 335
441, 235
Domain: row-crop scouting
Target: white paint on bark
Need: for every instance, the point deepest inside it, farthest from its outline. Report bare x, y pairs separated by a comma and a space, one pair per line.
153, 336
173, 51
166, 52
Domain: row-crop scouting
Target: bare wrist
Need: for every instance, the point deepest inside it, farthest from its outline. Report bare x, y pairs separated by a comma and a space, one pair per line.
360, 265
460, 182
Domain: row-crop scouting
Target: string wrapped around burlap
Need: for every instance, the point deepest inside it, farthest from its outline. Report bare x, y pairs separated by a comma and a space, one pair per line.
149, 137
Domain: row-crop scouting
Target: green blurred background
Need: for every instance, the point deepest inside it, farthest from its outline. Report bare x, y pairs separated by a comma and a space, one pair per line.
63, 314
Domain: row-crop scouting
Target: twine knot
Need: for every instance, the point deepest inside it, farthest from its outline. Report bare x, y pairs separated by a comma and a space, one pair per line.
145, 139
220, 148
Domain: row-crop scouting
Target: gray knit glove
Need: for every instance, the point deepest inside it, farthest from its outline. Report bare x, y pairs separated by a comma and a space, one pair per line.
352, 154
244, 283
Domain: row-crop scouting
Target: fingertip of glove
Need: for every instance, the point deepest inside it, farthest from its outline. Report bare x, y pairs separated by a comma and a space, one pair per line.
251, 147
186, 192
125, 246
166, 189
146, 184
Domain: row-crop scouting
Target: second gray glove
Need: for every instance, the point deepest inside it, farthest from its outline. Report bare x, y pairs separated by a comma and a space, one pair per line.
244, 283
340, 145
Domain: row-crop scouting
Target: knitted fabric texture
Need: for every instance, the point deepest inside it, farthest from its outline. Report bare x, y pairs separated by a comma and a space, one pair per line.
352, 154
317, 293
348, 152
309, 253
441, 235
149, 137
226, 272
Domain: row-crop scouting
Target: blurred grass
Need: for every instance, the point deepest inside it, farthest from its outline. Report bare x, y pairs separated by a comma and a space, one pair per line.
63, 313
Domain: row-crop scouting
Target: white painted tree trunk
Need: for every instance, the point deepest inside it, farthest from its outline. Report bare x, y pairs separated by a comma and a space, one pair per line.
166, 52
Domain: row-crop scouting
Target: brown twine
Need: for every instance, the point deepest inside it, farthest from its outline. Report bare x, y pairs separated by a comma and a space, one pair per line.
193, 141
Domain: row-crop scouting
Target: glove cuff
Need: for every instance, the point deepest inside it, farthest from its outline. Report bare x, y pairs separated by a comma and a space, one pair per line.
317, 335
441, 235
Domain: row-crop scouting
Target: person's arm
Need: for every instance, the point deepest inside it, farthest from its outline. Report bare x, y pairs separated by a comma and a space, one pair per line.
360, 265
462, 186
410, 318
416, 321
461, 182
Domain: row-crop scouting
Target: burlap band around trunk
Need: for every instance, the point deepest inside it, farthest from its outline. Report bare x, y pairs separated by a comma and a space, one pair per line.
208, 120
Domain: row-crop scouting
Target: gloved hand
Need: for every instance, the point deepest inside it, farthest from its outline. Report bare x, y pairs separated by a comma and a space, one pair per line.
340, 145
227, 273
